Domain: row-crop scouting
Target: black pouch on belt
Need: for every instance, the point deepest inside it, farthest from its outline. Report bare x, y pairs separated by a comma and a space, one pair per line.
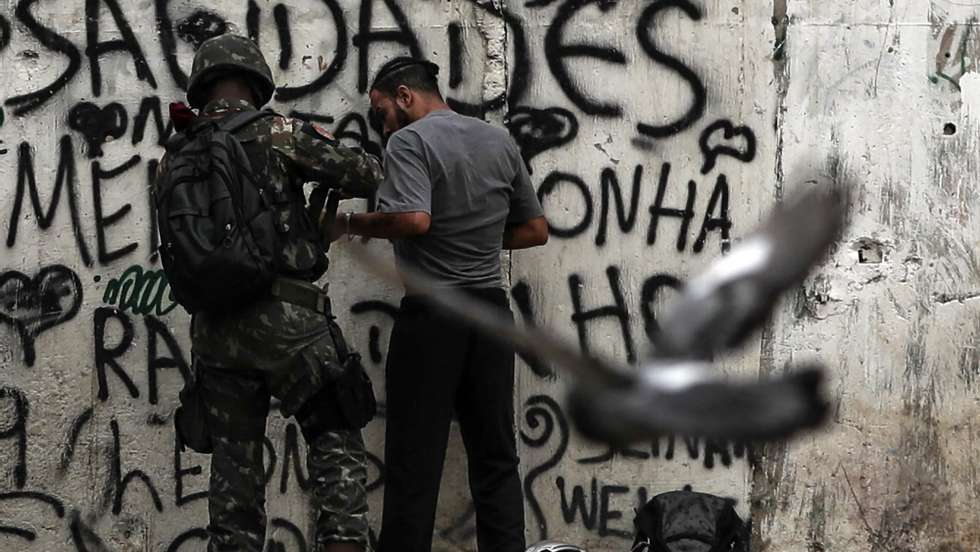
355, 394
345, 403
191, 418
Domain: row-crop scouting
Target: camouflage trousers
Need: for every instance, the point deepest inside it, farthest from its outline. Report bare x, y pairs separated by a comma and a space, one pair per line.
274, 349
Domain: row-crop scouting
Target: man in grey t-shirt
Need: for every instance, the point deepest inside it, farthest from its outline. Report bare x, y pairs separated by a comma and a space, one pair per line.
456, 192
468, 176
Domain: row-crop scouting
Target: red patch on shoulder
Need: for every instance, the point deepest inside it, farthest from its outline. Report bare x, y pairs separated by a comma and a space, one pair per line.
182, 116
322, 131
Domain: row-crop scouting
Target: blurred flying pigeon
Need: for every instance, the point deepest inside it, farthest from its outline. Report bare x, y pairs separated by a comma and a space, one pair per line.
676, 390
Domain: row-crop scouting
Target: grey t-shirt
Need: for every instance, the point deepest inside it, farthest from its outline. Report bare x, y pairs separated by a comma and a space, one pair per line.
469, 177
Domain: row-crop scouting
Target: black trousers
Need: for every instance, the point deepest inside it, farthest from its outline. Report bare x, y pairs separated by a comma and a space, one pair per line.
438, 366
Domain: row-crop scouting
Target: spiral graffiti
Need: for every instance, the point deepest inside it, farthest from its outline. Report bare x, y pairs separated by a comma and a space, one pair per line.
543, 414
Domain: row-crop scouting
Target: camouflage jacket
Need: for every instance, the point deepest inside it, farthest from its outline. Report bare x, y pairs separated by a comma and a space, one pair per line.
287, 153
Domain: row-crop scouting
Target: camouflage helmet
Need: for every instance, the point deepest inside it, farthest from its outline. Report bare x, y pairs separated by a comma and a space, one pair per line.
227, 54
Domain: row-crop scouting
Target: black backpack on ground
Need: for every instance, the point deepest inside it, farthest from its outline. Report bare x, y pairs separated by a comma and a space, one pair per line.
219, 235
686, 521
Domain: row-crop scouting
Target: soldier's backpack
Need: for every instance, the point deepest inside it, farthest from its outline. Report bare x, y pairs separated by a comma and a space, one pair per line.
219, 235
686, 521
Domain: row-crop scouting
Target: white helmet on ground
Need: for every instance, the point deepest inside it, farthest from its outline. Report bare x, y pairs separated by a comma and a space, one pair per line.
554, 546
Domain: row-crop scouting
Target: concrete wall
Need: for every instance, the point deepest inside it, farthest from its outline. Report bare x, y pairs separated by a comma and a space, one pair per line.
624, 106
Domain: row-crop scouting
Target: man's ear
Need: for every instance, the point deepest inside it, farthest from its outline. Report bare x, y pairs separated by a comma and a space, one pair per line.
404, 97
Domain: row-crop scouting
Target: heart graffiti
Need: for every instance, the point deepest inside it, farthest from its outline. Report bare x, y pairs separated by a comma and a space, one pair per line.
728, 133
538, 130
98, 125
34, 305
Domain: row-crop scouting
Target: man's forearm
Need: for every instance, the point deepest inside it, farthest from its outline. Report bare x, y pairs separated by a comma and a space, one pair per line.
529, 234
520, 240
387, 225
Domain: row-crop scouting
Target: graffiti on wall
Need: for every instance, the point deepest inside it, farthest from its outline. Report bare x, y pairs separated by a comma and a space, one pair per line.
180, 485
85, 188
96, 124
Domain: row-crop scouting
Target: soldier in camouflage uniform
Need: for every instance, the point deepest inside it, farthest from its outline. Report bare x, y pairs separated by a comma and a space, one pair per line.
286, 345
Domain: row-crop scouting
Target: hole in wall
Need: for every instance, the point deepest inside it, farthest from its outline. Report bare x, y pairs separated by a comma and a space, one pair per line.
869, 256
949, 129
869, 251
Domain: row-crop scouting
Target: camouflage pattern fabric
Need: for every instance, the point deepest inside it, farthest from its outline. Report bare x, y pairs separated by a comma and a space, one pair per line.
270, 348
286, 153
338, 472
289, 347
336, 462
226, 54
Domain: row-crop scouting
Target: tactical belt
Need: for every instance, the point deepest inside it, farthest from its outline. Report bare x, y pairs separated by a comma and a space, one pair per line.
302, 294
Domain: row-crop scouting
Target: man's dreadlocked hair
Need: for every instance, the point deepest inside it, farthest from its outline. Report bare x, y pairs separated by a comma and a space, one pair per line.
417, 74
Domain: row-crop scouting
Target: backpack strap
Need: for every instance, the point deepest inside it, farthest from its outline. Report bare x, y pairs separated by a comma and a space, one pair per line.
176, 141
234, 123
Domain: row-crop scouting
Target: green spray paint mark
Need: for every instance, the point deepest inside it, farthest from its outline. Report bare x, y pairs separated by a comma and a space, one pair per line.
962, 55
141, 292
